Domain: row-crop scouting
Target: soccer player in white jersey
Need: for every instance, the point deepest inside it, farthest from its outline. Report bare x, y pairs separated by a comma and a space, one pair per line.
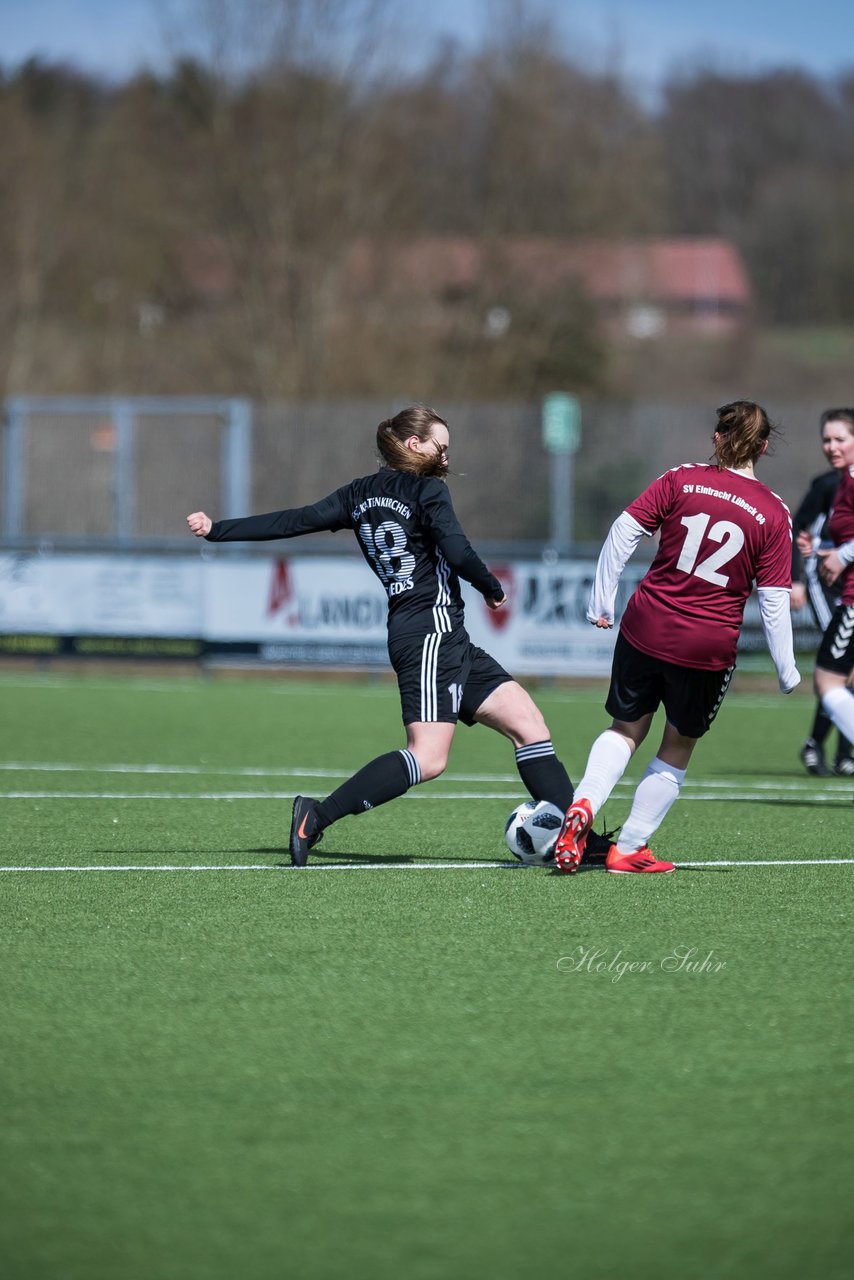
408, 532
720, 532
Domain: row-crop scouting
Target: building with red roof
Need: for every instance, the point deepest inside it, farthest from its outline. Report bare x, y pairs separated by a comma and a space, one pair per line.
643, 288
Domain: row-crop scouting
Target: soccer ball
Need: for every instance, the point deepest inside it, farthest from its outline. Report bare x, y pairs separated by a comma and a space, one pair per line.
531, 832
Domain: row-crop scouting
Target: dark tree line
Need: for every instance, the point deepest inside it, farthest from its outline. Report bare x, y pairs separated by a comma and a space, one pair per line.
193, 230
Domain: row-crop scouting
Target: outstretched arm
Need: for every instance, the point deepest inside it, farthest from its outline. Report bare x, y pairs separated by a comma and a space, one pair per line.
327, 514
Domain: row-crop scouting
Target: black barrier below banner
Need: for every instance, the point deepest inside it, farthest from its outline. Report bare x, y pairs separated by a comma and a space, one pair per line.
299, 654
157, 648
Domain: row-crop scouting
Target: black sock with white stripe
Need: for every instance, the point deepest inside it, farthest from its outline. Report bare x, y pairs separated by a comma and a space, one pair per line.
543, 774
384, 779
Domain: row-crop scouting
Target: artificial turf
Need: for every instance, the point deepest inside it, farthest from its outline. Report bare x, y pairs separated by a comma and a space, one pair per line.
384, 1070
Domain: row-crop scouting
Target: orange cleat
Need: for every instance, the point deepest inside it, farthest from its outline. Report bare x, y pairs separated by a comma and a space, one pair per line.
626, 864
569, 848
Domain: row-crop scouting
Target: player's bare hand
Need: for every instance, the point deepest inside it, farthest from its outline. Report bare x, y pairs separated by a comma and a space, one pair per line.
604, 623
200, 524
495, 604
798, 598
804, 542
830, 567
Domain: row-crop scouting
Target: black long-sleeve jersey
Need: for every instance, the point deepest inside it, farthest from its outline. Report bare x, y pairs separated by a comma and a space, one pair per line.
407, 531
812, 513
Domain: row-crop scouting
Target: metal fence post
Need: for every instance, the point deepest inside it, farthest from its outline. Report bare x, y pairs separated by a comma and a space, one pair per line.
14, 472
237, 460
124, 477
561, 499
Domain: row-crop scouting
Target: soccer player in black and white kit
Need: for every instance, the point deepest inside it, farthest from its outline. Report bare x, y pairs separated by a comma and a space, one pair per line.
808, 586
408, 532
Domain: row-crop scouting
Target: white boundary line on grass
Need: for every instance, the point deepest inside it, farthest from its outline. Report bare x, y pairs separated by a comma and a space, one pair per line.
376, 684
216, 771
415, 866
241, 771
781, 794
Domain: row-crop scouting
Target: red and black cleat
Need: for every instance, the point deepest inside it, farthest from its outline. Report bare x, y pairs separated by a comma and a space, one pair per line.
569, 848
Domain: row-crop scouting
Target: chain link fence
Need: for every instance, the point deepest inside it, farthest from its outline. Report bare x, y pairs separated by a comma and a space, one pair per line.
126, 471
121, 474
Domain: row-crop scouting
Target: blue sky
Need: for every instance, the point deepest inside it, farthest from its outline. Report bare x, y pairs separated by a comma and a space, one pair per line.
646, 37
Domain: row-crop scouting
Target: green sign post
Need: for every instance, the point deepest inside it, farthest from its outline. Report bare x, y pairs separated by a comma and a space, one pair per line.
561, 438
561, 422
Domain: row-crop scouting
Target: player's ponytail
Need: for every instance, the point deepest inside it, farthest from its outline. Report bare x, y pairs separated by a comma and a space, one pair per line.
742, 434
393, 433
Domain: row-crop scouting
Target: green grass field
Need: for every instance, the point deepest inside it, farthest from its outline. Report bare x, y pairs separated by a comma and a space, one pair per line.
375, 1069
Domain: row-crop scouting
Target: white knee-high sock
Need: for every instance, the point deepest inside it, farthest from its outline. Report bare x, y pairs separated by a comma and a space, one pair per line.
839, 705
657, 790
606, 764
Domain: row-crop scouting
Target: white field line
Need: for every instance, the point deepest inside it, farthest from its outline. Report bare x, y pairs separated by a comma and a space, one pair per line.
781, 794
773, 862
236, 771
304, 688
412, 866
808, 786
375, 686
16, 766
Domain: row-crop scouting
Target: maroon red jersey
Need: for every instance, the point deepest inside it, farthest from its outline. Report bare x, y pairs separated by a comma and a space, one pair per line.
719, 533
840, 528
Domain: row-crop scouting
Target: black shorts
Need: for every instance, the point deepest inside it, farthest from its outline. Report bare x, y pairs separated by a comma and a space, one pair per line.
836, 651
640, 684
443, 677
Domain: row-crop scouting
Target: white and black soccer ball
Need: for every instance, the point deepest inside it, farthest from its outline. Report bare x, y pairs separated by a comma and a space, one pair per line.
531, 832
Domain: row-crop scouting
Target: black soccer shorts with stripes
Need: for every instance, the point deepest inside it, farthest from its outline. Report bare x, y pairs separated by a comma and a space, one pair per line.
836, 651
641, 683
442, 676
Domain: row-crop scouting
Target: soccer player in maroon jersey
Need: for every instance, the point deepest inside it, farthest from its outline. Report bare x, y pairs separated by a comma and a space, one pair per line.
720, 531
834, 664
408, 533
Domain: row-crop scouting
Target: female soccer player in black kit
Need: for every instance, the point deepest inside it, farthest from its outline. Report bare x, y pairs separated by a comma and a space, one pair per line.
408, 533
808, 586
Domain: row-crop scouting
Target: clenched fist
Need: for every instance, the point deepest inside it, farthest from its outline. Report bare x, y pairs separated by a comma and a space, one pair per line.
200, 524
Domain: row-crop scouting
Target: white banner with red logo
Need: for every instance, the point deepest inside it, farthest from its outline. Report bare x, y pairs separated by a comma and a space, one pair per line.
301, 610
333, 611
543, 627
290, 611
